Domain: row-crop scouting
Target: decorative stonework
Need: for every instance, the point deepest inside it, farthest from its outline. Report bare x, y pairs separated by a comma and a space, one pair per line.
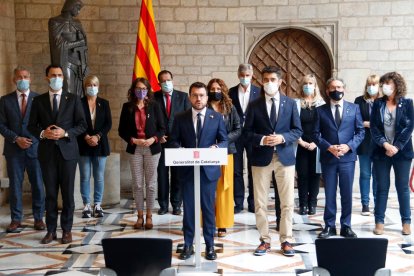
326, 31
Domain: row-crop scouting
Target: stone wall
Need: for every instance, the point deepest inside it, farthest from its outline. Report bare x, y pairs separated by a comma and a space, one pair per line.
7, 56
200, 39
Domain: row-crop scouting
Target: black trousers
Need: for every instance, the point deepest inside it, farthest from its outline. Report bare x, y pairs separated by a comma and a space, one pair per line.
239, 187
164, 184
59, 173
308, 179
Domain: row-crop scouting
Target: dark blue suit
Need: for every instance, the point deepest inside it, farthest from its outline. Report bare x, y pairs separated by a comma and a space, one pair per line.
326, 133
18, 160
241, 144
179, 103
183, 135
401, 162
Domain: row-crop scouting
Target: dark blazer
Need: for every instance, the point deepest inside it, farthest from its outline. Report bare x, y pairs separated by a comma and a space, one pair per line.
70, 118
403, 128
103, 124
366, 145
213, 133
13, 125
233, 127
234, 95
350, 132
154, 126
258, 125
179, 103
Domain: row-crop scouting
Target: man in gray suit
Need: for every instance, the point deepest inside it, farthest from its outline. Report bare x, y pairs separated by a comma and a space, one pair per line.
20, 150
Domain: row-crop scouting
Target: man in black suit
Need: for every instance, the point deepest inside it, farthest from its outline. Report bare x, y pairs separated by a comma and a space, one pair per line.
242, 95
272, 127
171, 102
199, 127
20, 150
57, 118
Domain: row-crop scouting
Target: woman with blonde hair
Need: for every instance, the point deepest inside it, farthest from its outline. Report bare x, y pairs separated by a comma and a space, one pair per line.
141, 125
365, 102
93, 146
219, 100
307, 156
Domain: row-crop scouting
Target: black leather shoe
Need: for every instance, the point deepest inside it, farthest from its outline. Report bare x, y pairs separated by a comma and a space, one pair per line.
303, 210
210, 253
312, 210
176, 211
347, 232
187, 252
162, 211
327, 232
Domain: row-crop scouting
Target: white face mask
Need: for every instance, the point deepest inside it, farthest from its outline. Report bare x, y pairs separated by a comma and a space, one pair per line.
167, 86
271, 88
92, 90
56, 83
372, 90
387, 89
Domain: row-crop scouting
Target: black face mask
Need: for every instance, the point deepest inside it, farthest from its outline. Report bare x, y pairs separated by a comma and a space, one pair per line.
215, 96
336, 95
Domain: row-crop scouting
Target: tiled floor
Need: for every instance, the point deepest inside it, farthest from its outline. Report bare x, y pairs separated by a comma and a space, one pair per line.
21, 253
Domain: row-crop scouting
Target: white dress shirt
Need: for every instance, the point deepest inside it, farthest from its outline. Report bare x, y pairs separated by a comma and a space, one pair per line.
59, 95
341, 108
20, 98
244, 97
203, 115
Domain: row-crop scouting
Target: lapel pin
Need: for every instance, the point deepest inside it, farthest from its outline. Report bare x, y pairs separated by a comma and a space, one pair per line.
148, 116
211, 116
66, 97
399, 105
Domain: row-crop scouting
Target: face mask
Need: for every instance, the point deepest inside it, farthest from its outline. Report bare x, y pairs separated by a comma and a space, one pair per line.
92, 90
245, 81
56, 83
215, 96
387, 90
167, 86
336, 95
22, 85
141, 93
308, 89
372, 90
270, 88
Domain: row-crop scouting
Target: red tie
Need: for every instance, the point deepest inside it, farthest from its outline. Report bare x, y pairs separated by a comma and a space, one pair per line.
168, 104
24, 105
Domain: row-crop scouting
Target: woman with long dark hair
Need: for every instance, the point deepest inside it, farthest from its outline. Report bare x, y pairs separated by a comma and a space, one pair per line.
391, 128
141, 125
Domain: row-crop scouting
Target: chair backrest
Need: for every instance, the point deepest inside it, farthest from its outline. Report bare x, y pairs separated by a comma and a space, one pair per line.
137, 256
361, 256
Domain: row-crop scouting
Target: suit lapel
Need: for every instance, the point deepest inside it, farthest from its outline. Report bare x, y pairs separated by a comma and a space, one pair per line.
282, 106
399, 109
15, 104
346, 111
45, 99
328, 113
209, 116
29, 105
62, 105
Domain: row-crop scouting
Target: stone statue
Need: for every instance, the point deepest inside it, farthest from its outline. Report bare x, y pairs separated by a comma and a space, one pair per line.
68, 46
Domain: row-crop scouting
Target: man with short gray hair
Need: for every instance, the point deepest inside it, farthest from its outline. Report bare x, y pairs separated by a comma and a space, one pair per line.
20, 150
242, 95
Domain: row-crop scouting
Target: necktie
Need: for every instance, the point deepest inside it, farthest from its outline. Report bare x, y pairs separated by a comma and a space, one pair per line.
198, 130
55, 106
168, 104
337, 116
24, 105
273, 118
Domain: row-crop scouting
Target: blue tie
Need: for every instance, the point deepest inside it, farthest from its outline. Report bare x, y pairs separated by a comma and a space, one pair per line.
273, 118
55, 106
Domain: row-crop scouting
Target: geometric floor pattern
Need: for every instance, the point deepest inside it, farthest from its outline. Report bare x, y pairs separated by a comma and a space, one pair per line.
22, 254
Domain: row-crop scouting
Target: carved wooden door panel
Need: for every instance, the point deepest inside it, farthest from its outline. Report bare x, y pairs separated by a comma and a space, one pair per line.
297, 53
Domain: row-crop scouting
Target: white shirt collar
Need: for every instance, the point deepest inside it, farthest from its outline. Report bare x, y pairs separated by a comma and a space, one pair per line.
341, 103
276, 97
58, 93
195, 112
26, 93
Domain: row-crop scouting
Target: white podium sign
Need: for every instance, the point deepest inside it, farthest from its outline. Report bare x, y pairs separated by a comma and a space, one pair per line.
196, 157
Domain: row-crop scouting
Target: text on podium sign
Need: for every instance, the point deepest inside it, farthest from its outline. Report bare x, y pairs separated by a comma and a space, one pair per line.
196, 157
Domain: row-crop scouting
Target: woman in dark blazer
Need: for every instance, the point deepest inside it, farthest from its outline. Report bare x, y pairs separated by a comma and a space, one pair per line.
219, 100
93, 147
141, 125
391, 130
365, 102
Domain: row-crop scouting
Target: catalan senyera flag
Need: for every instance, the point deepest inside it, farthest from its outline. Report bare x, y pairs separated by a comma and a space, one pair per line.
147, 56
